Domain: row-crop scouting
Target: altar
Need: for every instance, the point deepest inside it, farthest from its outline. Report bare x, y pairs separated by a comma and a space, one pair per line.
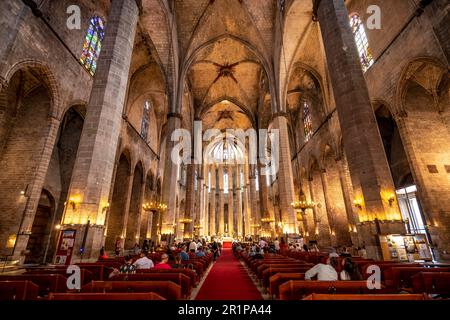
227, 242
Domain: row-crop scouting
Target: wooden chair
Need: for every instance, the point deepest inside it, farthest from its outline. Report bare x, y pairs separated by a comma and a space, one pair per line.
384, 297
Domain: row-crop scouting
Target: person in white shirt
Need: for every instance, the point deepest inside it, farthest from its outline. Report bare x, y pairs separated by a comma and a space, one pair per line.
276, 244
144, 262
262, 244
193, 246
324, 272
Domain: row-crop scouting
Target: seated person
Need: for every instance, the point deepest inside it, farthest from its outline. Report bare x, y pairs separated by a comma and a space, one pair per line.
127, 268
183, 254
177, 264
324, 272
200, 252
164, 262
350, 270
144, 262
103, 254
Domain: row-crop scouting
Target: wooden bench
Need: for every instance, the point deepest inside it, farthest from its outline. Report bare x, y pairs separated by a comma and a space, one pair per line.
18, 290
316, 296
105, 296
191, 274
166, 289
401, 277
99, 271
279, 278
386, 266
262, 268
297, 289
86, 275
272, 271
180, 279
46, 282
431, 283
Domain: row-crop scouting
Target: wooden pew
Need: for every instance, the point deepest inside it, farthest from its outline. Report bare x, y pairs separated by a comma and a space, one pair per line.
86, 275
401, 277
99, 271
297, 289
279, 278
105, 296
46, 282
18, 290
316, 296
166, 289
180, 279
386, 265
263, 267
192, 275
431, 283
271, 271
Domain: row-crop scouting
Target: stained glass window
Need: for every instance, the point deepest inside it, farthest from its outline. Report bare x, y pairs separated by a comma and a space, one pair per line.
362, 43
225, 181
93, 44
145, 120
307, 121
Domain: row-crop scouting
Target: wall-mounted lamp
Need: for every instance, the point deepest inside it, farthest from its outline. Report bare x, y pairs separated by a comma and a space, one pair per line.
357, 204
391, 200
58, 226
73, 202
105, 207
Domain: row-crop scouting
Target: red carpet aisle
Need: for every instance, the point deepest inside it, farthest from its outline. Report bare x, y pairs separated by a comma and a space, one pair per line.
228, 280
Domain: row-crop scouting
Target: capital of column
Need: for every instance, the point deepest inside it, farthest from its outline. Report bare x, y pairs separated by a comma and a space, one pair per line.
174, 115
279, 114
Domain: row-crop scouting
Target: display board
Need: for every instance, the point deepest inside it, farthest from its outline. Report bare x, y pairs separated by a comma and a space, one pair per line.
405, 247
65, 247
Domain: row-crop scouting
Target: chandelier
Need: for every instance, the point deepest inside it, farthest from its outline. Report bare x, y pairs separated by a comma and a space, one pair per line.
255, 226
302, 205
197, 226
185, 220
267, 220
154, 206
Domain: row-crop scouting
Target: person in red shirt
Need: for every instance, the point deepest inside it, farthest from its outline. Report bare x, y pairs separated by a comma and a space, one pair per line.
164, 262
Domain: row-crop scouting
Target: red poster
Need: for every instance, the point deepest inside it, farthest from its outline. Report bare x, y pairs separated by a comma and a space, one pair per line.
65, 247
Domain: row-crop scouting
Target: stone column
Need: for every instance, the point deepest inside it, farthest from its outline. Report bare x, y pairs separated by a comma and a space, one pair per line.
285, 177
28, 203
199, 199
212, 202
220, 213
331, 214
93, 169
347, 192
149, 234
321, 227
170, 183
238, 202
140, 220
230, 221
255, 215
190, 201
247, 208
369, 169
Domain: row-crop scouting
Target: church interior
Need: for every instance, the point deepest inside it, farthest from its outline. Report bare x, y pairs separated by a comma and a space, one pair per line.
225, 150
